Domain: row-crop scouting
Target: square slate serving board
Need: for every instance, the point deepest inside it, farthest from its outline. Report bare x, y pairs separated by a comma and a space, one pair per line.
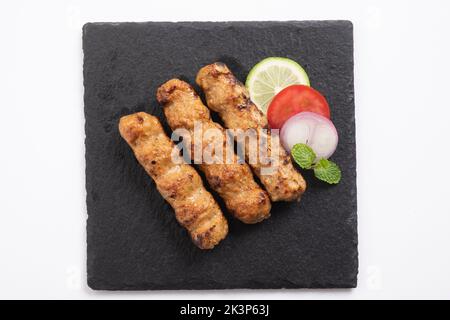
133, 239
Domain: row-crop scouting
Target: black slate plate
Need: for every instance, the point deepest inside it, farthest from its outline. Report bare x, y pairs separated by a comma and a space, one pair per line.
133, 240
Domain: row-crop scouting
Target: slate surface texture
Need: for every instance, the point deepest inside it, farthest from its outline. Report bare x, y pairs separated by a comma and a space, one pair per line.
133, 239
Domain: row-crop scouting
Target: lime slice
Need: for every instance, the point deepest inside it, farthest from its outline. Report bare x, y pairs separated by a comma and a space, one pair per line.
270, 76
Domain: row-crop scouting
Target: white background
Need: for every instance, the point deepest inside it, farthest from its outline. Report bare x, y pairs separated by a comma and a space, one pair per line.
402, 68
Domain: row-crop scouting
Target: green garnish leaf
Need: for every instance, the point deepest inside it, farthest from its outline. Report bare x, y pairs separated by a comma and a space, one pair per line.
324, 169
303, 155
327, 171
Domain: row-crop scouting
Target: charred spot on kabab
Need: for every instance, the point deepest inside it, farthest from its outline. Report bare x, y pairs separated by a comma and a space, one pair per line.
234, 81
262, 197
215, 182
244, 105
132, 134
139, 119
201, 238
219, 69
163, 93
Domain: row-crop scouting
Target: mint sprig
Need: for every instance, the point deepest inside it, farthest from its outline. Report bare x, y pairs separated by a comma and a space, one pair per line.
324, 169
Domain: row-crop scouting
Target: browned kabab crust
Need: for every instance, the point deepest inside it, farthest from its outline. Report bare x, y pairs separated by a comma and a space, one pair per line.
229, 97
179, 184
233, 181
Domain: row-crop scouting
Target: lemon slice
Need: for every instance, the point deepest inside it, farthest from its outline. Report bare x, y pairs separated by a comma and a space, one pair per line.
270, 76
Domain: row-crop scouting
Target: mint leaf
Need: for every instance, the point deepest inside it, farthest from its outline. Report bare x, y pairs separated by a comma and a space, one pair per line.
303, 155
324, 169
327, 171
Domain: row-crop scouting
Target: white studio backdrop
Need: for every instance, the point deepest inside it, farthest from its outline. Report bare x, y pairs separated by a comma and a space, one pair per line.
402, 68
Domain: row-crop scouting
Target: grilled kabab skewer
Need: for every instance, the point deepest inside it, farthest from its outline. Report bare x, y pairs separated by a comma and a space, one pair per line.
233, 181
179, 184
229, 97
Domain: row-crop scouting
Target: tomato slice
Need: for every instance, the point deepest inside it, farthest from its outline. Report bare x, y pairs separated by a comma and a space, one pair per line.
295, 99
